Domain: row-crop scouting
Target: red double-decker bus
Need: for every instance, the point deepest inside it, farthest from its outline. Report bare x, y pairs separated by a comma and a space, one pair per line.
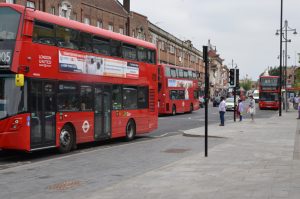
81, 83
178, 90
269, 92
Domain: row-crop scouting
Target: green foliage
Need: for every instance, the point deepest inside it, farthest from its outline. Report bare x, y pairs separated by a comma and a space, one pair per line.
297, 79
246, 84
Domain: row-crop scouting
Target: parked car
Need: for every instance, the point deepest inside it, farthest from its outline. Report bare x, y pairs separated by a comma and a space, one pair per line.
216, 101
230, 103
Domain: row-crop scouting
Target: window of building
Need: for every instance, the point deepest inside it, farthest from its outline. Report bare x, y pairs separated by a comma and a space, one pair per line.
86, 20
99, 24
172, 49
121, 30
52, 11
68, 97
75, 16
117, 97
101, 45
43, 33
130, 97
30, 4
10, 1
67, 38
142, 97
65, 10
110, 27
162, 45
133, 33
86, 98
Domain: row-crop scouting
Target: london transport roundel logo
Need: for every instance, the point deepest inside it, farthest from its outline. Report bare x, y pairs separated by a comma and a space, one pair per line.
85, 126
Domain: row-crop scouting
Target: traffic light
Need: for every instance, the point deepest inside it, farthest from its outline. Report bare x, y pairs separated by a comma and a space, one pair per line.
231, 77
237, 78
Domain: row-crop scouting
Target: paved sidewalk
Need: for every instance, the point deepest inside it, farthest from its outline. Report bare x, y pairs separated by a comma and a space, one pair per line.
256, 161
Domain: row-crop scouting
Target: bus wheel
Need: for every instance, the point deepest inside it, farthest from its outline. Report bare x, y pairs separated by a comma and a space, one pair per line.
66, 139
130, 130
174, 110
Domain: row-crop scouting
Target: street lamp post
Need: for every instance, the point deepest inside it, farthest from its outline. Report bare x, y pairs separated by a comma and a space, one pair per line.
284, 38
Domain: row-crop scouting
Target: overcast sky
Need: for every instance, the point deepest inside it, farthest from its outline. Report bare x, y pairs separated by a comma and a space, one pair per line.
242, 30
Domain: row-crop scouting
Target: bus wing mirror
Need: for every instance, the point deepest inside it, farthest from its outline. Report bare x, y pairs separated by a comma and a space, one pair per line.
19, 80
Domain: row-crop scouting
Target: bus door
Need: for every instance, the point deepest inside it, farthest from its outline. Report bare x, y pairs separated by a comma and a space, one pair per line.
102, 112
42, 107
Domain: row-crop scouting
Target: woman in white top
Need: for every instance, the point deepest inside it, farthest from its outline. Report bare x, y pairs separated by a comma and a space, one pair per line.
252, 107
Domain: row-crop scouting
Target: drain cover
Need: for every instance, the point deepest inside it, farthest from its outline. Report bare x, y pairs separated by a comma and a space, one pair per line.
176, 150
65, 185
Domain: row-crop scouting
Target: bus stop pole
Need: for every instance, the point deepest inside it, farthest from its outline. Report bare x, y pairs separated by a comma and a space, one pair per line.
205, 57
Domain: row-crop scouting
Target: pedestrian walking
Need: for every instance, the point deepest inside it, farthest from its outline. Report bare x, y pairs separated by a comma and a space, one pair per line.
251, 108
240, 109
296, 102
298, 111
222, 110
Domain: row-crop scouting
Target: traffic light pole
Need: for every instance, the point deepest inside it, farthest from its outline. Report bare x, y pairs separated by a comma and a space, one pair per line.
234, 104
205, 57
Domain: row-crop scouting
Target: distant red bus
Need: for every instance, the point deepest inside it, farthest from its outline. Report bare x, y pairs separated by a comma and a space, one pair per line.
269, 92
81, 83
178, 90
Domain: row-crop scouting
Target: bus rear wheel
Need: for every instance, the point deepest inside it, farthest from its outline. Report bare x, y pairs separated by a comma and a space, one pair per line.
174, 110
130, 130
66, 139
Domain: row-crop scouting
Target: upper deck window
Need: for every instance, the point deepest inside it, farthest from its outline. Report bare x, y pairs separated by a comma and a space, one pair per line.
67, 38
129, 52
185, 74
43, 33
101, 45
9, 23
173, 72
167, 72
180, 73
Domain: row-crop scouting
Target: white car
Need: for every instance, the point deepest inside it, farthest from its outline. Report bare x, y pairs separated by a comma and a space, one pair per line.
230, 103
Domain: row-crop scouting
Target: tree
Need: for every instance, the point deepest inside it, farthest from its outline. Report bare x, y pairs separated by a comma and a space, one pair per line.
246, 84
275, 71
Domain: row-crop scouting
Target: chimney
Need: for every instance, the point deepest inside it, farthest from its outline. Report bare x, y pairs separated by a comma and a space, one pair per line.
126, 5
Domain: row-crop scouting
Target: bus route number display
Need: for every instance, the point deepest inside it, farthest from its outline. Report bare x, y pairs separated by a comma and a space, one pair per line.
5, 58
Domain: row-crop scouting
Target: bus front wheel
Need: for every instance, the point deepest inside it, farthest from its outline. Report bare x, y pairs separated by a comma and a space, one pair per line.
66, 139
130, 130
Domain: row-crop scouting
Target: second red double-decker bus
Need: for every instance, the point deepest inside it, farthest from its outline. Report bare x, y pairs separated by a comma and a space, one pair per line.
269, 92
178, 90
81, 83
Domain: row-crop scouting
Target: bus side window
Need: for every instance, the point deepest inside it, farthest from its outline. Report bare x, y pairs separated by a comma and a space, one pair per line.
180, 73
130, 97
68, 97
86, 98
101, 45
142, 55
185, 74
129, 52
117, 97
67, 38
194, 75
151, 56
85, 42
190, 73
173, 72
167, 72
115, 48
143, 97
43, 33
